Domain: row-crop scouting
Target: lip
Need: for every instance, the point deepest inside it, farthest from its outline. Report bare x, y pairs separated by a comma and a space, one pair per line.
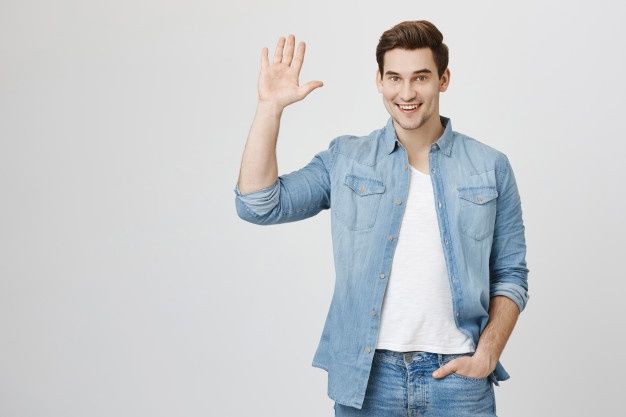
409, 111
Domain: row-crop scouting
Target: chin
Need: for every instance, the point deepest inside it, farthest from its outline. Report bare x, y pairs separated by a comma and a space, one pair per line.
409, 125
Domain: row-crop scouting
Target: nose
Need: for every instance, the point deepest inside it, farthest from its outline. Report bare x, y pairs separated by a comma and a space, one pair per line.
407, 92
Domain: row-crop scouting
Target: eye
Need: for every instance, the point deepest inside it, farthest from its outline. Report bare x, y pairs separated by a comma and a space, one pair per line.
423, 77
393, 78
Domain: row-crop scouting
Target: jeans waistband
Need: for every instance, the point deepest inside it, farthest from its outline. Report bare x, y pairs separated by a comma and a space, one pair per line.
422, 357
400, 358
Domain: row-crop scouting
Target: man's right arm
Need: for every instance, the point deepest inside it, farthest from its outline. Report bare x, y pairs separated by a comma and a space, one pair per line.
259, 168
294, 196
262, 196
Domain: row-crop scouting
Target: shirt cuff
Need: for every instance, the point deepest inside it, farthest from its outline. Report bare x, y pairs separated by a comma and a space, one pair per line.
262, 201
513, 291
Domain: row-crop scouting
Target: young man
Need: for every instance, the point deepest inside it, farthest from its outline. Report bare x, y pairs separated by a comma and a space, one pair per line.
427, 231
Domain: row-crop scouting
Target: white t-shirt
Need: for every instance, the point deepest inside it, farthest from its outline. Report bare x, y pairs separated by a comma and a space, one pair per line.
417, 309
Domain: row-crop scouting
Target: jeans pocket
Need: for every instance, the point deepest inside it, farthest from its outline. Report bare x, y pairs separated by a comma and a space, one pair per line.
470, 378
450, 357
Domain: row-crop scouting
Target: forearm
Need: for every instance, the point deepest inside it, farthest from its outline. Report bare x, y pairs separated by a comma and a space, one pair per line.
259, 168
503, 314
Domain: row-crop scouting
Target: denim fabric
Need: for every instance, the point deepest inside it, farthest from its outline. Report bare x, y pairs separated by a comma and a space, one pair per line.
364, 181
401, 385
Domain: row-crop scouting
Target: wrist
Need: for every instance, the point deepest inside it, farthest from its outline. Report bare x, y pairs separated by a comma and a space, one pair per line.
487, 355
269, 108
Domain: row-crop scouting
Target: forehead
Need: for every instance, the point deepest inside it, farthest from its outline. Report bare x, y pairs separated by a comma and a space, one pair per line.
407, 61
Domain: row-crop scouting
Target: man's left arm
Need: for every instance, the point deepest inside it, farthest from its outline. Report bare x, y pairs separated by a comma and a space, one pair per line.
508, 279
503, 314
508, 273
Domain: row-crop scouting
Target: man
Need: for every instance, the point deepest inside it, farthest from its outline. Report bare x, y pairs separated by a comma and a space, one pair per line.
427, 232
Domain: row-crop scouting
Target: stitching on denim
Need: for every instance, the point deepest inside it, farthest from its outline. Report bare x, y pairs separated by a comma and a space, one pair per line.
508, 233
248, 209
501, 172
304, 211
333, 154
467, 196
356, 160
499, 175
469, 378
483, 172
287, 213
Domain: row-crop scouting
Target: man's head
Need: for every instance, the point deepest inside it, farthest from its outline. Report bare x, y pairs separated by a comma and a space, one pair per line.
408, 47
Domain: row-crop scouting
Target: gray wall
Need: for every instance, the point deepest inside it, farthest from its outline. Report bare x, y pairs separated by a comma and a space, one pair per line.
129, 286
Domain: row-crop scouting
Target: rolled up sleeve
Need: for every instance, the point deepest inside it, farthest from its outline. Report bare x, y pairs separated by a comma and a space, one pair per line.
507, 263
294, 196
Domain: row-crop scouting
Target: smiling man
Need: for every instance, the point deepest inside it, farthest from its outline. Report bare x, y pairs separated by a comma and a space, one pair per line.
427, 230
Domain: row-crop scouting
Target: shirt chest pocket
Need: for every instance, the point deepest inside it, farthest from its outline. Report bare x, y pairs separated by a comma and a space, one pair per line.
477, 206
357, 200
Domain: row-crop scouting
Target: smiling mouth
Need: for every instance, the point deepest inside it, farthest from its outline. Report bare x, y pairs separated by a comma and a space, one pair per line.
409, 108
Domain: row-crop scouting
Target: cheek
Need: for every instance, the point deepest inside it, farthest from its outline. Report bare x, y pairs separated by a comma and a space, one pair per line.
431, 93
389, 95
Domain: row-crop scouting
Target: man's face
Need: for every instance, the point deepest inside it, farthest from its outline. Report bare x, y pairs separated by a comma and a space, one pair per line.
401, 84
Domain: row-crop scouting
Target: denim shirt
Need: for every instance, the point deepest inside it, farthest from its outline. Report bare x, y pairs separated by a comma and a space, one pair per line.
364, 181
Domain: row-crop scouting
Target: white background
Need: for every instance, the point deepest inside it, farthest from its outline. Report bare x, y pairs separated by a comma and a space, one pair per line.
129, 286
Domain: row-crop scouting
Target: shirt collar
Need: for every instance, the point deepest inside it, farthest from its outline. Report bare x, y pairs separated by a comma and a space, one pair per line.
445, 141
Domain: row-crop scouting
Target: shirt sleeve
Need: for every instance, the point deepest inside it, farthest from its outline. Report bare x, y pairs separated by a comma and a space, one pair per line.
294, 196
508, 272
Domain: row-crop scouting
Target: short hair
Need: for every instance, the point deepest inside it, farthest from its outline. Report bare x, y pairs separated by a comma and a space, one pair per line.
414, 34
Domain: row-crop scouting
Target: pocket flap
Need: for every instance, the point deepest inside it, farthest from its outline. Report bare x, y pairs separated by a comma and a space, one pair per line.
478, 195
364, 186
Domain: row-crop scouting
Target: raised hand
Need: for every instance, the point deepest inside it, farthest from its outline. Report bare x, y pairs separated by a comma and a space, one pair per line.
278, 82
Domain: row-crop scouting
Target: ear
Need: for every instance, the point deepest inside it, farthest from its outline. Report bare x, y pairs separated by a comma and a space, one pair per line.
445, 80
379, 84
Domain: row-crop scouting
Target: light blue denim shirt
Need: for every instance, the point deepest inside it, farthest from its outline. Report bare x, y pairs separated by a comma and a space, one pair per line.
364, 181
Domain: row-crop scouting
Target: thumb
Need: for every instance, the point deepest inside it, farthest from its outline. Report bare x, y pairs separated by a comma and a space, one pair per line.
442, 371
310, 86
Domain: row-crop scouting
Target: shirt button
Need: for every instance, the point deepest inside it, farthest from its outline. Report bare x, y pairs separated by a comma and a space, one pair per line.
368, 349
373, 313
432, 170
398, 201
406, 166
382, 275
361, 189
446, 241
440, 204
391, 237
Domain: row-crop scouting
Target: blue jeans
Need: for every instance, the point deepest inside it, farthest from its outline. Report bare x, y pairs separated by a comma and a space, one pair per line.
401, 384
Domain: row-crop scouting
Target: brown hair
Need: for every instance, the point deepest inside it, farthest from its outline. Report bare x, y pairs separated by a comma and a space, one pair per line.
414, 34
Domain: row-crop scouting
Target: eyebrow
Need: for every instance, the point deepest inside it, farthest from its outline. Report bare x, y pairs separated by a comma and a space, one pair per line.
423, 70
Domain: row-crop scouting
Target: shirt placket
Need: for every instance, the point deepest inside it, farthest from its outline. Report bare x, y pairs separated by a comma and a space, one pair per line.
444, 230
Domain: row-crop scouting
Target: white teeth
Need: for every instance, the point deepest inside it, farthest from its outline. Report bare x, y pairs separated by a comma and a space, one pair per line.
408, 107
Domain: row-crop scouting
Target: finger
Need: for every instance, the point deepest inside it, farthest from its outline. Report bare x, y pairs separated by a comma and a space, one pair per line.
264, 59
278, 54
310, 86
443, 371
298, 58
291, 40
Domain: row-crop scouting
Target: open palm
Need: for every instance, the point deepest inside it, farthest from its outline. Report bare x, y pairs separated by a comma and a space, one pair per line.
278, 82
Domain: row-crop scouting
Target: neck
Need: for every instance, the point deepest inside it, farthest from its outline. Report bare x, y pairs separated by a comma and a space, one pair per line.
420, 139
